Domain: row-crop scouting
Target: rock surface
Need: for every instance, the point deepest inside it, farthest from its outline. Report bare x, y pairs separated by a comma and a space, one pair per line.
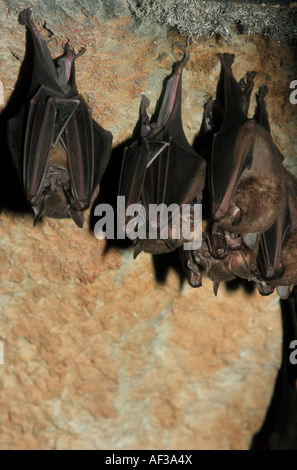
103, 352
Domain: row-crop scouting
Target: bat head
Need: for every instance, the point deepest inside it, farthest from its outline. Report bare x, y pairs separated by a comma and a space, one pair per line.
55, 200
166, 240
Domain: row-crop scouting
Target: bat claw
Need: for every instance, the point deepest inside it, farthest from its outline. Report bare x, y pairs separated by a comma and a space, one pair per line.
68, 50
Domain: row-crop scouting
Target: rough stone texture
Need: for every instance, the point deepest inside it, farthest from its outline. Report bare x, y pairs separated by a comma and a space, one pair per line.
203, 19
98, 353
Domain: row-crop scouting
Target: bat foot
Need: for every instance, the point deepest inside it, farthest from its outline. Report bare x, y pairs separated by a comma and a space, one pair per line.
25, 16
68, 51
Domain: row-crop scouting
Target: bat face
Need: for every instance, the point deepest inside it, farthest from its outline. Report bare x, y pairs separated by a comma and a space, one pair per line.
162, 168
60, 152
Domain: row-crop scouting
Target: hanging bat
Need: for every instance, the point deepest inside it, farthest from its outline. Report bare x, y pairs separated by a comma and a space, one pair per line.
269, 259
247, 177
162, 168
223, 256
279, 430
60, 152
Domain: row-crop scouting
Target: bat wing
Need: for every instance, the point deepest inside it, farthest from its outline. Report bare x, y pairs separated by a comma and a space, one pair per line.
88, 149
43, 67
271, 243
232, 154
46, 121
228, 159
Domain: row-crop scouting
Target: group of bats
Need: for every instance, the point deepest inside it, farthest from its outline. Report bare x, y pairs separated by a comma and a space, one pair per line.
249, 199
248, 196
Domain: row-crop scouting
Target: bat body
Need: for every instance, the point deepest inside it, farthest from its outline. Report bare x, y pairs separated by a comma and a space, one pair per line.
162, 168
60, 152
246, 172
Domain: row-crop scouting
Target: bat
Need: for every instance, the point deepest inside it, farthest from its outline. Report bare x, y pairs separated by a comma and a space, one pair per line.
59, 151
162, 168
247, 178
229, 248
223, 254
279, 430
269, 259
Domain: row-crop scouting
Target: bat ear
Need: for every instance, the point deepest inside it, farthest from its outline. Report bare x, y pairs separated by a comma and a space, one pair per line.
38, 211
76, 216
137, 250
216, 285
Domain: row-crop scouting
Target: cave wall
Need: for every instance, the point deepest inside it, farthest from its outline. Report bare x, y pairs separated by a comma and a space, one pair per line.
101, 351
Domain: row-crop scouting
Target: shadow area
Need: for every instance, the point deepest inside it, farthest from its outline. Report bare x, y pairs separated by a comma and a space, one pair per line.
108, 194
11, 190
279, 430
